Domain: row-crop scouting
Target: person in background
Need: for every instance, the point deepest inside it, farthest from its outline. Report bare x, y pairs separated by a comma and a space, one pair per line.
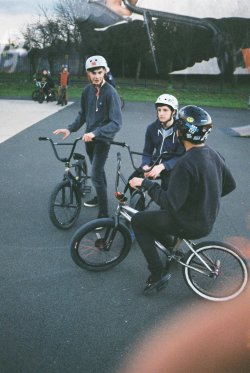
63, 83
49, 83
109, 77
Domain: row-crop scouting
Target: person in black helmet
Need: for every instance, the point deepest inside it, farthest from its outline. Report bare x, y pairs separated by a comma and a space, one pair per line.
190, 205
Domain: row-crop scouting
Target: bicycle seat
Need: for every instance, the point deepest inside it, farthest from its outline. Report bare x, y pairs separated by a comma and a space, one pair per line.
78, 156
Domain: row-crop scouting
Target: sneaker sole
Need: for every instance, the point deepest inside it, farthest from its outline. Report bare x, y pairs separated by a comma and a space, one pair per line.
158, 286
87, 205
98, 228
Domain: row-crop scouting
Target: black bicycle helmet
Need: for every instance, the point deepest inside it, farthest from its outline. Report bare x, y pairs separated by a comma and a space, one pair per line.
194, 124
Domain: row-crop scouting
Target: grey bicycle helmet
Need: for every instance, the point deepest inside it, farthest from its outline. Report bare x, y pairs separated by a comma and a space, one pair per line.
194, 124
95, 62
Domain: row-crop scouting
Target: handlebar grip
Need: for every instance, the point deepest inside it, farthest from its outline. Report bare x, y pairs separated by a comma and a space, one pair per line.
43, 138
119, 158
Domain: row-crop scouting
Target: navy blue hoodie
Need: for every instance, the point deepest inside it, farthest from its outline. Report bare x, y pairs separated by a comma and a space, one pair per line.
158, 140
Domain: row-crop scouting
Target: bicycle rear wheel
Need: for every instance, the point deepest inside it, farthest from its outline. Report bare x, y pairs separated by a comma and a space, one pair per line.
64, 205
227, 276
98, 249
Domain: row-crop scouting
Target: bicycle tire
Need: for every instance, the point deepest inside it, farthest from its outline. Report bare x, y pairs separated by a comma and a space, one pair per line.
93, 250
35, 95
40, 97
232, 271
64, 205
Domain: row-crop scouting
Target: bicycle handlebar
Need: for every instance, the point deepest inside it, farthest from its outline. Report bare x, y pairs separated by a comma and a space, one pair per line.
54, 144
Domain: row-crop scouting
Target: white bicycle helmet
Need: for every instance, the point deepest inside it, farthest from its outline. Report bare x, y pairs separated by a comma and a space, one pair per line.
168, 100
94, 62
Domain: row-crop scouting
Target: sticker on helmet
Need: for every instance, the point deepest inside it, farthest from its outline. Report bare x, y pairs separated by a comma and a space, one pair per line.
190, 119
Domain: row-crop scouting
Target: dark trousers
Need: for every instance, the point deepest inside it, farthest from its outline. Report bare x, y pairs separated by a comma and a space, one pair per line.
149, 226
98, 154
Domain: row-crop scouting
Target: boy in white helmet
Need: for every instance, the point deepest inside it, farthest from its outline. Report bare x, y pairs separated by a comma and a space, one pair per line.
101, 111
161, 137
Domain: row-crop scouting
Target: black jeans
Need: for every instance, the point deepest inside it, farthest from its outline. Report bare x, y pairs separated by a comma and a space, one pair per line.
98, 154
149, 226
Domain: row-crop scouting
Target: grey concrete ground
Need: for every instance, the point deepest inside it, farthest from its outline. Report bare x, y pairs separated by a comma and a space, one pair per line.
56, 317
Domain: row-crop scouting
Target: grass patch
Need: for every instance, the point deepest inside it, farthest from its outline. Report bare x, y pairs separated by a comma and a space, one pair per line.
202, 91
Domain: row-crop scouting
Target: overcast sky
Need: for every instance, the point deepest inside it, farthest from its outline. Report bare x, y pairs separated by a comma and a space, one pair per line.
16, 14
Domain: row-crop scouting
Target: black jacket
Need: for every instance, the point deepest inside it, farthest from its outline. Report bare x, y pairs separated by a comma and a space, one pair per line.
198, 181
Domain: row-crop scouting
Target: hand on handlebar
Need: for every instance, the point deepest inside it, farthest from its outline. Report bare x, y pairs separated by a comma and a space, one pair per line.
64, 131
87, 137
155, 172
136, 182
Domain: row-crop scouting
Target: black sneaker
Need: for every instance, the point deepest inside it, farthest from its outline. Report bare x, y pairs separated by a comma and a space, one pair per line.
156, 283
92, 202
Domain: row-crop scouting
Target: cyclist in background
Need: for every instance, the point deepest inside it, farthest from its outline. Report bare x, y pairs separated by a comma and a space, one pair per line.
100, 110
190, 205
49, 83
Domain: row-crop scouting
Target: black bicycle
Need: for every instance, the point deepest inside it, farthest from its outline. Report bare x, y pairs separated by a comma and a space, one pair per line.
39, 95
66, 199
216, 271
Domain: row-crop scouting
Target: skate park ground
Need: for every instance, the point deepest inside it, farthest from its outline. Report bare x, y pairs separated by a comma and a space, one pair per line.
56, 317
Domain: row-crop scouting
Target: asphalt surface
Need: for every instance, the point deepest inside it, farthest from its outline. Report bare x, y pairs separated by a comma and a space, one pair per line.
56, 317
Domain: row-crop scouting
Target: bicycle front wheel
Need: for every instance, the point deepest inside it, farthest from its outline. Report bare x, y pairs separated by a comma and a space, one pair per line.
99, 245
219, 273
64, 205
35, 95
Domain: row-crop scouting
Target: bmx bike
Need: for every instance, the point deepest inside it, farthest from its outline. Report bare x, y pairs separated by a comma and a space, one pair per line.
65, 201
39, 95
215, 271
